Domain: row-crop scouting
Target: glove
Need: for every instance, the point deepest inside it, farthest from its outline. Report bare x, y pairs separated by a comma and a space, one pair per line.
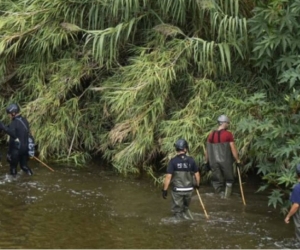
196, 187
239, 165
164, 193
206, 167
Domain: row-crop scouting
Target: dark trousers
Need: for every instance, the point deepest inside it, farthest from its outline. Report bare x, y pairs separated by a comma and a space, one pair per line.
16, 157
296, 218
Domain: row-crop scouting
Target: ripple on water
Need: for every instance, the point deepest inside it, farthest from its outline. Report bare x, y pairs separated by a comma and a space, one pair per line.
172, 220
74, 209
7, 178
290, 243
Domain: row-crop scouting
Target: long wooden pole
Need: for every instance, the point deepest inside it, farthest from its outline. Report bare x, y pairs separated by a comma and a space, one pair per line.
206, 215
241, 187
43, 163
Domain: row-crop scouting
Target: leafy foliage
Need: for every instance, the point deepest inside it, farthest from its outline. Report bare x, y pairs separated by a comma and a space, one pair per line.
125, 79
274, 28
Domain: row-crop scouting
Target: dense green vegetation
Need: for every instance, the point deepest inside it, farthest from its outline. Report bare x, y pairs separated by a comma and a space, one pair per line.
126, 78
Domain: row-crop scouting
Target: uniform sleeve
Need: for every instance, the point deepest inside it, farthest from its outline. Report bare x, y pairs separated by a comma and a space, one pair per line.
194, 166
170, 168
295, 197
10, 130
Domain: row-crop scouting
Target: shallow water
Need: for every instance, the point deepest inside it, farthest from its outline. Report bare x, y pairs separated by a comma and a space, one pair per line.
91, 208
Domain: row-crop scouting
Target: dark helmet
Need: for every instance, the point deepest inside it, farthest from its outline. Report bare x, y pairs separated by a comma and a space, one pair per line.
223, 118
298, 168
181, 144
12, 108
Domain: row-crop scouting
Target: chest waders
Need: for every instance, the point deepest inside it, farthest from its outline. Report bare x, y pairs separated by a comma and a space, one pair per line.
221, 163
296, 218
182, 189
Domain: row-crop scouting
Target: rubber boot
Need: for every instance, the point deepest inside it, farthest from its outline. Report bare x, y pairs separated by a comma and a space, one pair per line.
27, 170
228, 190
187, 215
178, 216
217, 187
13, 172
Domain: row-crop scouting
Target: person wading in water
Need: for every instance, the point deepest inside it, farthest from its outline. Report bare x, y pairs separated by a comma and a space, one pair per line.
18, 140
295, 211
181, 172
220, 154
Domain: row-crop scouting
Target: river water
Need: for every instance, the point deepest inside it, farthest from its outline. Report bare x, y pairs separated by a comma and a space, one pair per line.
92, 208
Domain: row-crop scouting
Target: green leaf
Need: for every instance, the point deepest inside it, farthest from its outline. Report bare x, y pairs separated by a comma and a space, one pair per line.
275, 198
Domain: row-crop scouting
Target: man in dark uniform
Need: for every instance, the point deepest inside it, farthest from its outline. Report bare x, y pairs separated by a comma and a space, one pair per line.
181, 172
220, 154
18, 131
295, 211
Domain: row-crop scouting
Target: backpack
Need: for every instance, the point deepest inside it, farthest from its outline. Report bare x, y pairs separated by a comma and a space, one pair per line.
31, 144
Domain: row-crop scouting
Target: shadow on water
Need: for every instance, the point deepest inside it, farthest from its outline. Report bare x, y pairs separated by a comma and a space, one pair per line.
91, 208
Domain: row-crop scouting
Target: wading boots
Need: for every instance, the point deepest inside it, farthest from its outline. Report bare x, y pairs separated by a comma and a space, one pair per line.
228, 190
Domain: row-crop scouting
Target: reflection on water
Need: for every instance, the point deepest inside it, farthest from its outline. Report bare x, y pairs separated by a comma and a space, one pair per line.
94, 209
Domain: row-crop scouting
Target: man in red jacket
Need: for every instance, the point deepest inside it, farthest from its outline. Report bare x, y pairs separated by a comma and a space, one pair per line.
220, 155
